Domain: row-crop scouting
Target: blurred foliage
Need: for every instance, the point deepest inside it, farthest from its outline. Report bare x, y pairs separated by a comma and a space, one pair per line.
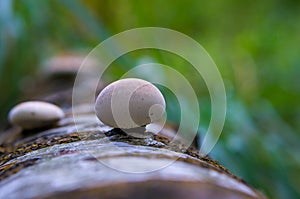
254, 43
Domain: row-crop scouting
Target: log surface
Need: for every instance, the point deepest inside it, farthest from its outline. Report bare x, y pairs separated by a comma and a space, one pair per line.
91, 160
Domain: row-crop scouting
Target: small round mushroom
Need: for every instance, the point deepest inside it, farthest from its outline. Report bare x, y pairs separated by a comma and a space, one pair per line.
35, 114
130, 103
68, 64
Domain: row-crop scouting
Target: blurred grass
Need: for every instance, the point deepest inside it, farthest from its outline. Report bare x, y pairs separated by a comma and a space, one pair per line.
254, 43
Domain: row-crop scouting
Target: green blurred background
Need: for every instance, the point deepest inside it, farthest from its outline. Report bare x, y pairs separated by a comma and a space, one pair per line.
255, 44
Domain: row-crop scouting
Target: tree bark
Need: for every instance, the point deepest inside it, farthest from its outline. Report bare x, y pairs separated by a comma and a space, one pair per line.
91, 160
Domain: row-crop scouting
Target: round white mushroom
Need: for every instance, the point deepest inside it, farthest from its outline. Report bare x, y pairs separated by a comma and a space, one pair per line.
35, 114
130, 103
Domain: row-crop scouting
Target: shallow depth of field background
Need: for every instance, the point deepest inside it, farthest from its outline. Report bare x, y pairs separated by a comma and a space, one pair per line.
255, 44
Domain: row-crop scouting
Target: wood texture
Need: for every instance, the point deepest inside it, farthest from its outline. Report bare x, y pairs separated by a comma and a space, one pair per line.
91, 160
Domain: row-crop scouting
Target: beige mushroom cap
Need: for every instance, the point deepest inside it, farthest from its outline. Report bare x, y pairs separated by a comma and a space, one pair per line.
35, 114
130, 103
68, 64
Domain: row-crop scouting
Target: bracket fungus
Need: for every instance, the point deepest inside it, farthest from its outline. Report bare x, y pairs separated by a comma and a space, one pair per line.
35, 114
130, 103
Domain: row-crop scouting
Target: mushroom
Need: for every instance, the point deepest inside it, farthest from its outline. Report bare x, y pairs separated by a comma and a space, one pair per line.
130, 103
35, 114
68, 64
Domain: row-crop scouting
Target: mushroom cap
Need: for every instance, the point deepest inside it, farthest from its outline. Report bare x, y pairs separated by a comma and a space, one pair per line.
130, 103
68, 64
35, 114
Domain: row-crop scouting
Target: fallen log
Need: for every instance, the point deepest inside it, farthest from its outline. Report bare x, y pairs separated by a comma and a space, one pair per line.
87, 159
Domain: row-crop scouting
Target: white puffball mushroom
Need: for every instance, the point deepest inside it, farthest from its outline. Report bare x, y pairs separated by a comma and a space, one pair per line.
130, 103
35, 114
